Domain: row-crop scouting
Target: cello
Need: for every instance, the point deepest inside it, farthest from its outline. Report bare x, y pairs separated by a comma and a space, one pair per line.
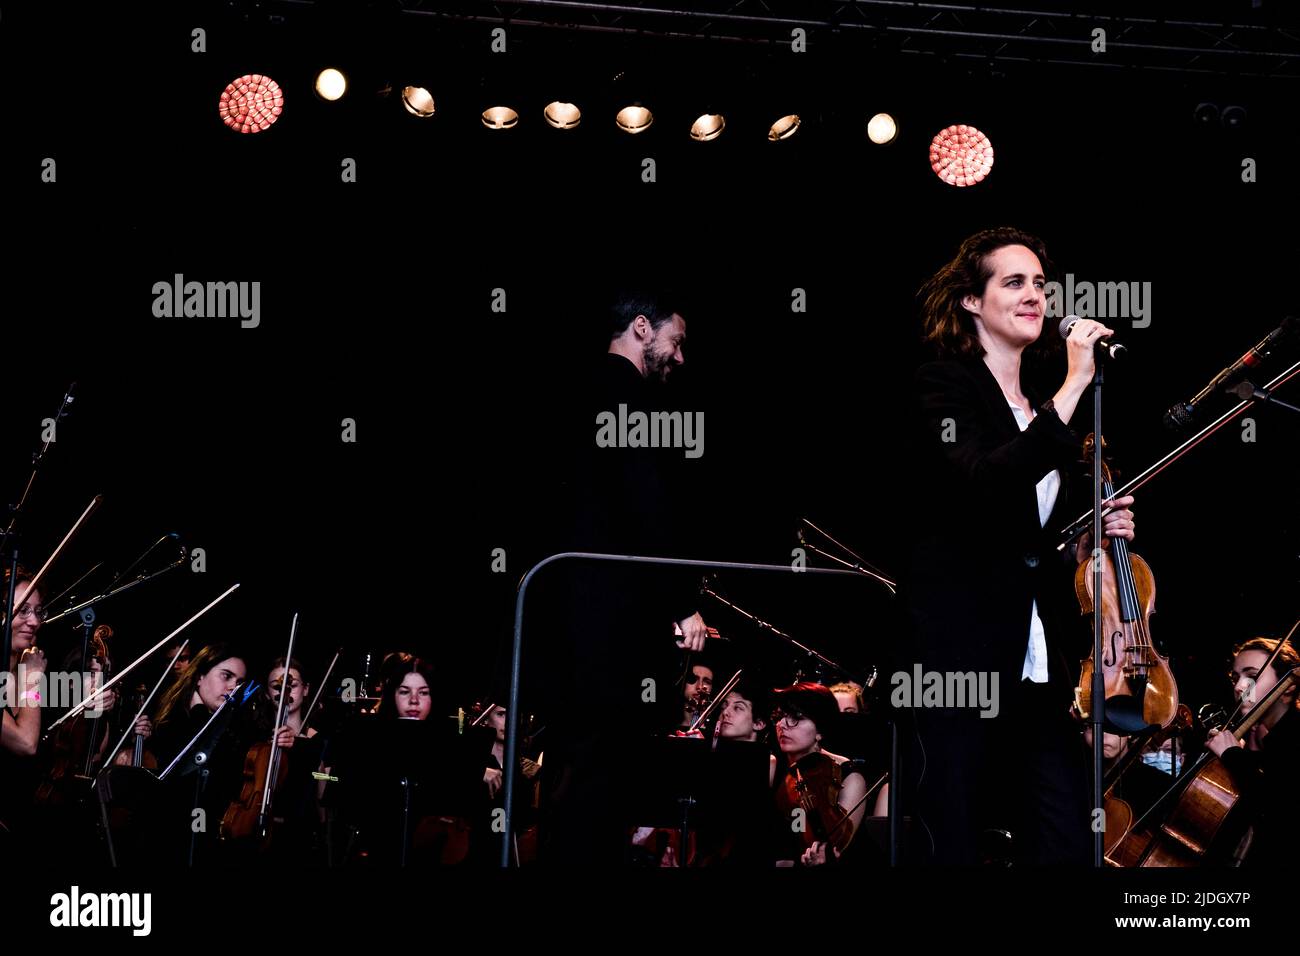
1140, 687
1118, 813
1204, 820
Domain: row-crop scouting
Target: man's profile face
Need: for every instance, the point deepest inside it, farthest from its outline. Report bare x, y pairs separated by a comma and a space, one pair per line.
663, 350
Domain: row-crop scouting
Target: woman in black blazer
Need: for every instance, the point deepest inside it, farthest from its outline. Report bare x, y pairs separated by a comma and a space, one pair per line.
985, 591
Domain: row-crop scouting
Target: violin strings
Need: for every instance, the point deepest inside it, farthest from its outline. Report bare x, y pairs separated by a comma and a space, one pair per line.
1125, 579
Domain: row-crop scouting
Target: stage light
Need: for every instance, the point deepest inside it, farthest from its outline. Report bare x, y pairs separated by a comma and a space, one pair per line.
1207, 114
563, 115
961, 155
1234, 117
882, 129
251, 103
331, 84
418, 101
500, 117
708, 127
784, 128
634, 119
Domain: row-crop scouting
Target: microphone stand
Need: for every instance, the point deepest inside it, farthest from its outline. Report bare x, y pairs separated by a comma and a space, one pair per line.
110, 591
1248, 392
74, 585
1098, 702
803, 649
210, 734
858, 563
1082, 523
122, 674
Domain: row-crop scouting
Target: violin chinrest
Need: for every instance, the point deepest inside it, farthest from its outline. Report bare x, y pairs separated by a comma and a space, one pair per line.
1124, 716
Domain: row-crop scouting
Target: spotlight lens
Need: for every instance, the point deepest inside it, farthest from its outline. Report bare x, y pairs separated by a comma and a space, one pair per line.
500, 117
251, 103
331, 84
882, 129
418, 101
634, 119
961, 155
707, 127
563, 115
784, 128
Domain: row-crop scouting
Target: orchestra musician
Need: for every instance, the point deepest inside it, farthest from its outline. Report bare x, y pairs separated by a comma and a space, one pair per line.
818, 795
1266, 762
697, 688
848, 694
483, 843
20, 721
20, 725
212, 675
295, 812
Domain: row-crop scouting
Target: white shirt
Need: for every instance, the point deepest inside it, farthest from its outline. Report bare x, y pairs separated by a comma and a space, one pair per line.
1035, 668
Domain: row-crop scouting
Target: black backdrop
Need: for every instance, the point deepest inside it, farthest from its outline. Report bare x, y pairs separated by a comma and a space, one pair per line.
376, 305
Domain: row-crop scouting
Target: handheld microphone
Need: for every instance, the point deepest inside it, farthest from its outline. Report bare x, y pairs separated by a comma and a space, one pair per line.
1108, 347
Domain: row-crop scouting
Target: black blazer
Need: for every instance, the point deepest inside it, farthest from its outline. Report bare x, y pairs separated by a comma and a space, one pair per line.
978, 556
625, 501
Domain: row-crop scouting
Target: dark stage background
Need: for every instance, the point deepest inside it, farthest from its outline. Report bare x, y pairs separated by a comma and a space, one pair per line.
376, 305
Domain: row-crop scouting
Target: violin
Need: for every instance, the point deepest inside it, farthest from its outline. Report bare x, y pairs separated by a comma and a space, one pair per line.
76, 745
263, 770
266, 767
1140, 687
251, 814
697, 709
814, 785
138, 757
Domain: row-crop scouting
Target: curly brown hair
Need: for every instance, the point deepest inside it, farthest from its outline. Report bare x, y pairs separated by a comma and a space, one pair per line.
1286, 659
946, 325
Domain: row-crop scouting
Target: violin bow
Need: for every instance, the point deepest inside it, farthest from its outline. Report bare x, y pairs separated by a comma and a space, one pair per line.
854, 809
1084, 522
1267, 664
311, 710
130, 728
713, 704
136, 663
279, 718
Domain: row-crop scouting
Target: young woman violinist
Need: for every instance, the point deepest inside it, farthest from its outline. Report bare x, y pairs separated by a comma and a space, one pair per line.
212, 675
79, 746
293, 824
20, 720
818, 795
